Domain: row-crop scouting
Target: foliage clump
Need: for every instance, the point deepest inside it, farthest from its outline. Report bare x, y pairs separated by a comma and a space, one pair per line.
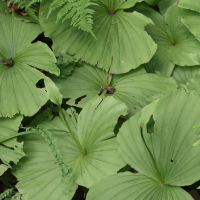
99, 99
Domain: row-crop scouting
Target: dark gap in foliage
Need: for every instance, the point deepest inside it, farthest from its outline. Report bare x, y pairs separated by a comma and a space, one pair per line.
80, 194
79, 99
43, 39
40, 84
118, 125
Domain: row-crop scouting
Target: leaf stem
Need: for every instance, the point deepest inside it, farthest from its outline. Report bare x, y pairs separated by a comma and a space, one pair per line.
9, 63
72, 134
17, 134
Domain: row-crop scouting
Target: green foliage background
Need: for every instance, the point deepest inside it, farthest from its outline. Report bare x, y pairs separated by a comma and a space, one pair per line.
99, 99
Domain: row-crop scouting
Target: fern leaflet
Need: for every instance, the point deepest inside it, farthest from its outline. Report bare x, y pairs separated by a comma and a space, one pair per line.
77, 10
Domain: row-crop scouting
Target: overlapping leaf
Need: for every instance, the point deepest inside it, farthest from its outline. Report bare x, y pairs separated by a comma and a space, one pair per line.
193, 5
18, 91
183, 75
135, 88
164, 5
165, 159
131, 186
39, 173
176, 44
190, 16
119, 35
10, 150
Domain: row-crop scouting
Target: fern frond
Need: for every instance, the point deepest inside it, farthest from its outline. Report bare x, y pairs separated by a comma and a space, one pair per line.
76, 10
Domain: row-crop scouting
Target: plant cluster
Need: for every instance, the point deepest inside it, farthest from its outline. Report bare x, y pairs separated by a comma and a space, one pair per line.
99, 99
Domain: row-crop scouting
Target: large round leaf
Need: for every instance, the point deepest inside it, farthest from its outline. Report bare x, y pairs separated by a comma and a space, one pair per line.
118, 34
166, 155
93, 131
176, 44
165, 158
135, 88
131, 186
18, 91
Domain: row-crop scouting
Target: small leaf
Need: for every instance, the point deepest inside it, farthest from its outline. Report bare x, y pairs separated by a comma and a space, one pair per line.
54, 93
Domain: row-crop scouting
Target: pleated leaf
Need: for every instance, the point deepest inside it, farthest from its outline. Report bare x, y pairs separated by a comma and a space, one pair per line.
18, 91
3, 6
176, 44
10, 150
118, 34
135, 88
131, 186
39, 173
165, 159
167, 154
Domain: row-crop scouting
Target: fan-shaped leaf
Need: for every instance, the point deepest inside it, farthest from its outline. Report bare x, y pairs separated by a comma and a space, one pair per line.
19, 93
166, 155
134, 88
93, 130
134, 186
165, 158
176, 44
109, 28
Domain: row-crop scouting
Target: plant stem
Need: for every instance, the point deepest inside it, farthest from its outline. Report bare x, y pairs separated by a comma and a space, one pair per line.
72, 134
17, 134
112, 7
9, 63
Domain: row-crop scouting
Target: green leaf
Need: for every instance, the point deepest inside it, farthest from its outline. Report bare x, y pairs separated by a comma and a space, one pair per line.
129, 4
19, 93
131, 186
183, 75
193, 84
193, 5
152, 2
165, 159
167, 155
54, 94
191, 20
109, 28
11, 150
94, 132
165, 4
3, 7
87, 80
176, 44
